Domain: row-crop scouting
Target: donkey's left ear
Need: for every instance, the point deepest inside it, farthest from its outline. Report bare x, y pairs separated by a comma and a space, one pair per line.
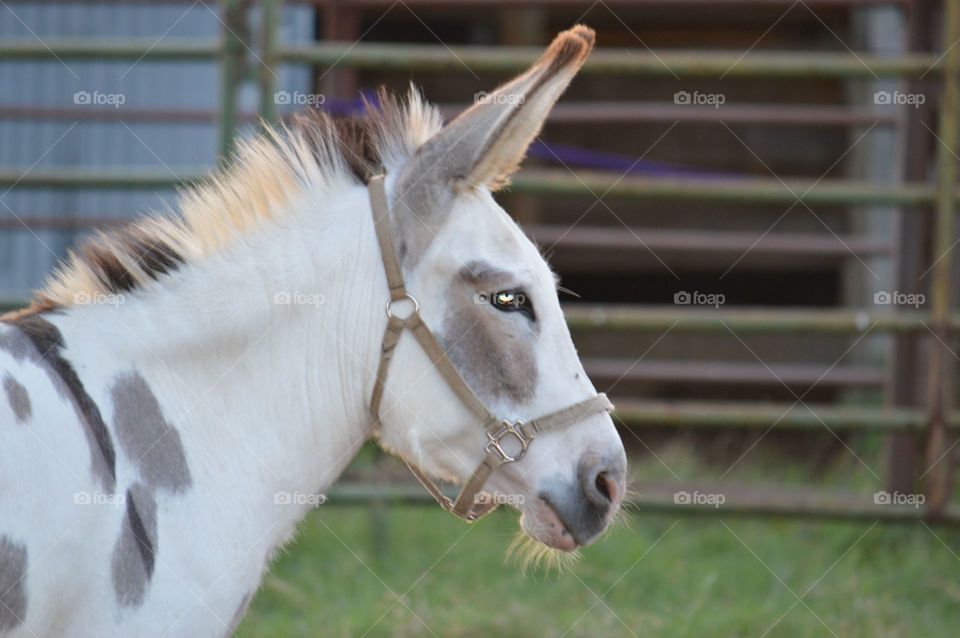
485, 144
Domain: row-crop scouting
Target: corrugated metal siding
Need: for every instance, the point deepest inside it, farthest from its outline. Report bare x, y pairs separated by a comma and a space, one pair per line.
27, 256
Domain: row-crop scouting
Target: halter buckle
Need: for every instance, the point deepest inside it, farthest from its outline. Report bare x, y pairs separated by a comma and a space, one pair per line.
406, 298
508, 428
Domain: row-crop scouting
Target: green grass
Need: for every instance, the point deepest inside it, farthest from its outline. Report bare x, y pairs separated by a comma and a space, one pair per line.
662, 576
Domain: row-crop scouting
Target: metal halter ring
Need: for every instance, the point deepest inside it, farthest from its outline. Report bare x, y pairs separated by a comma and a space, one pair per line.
406, 297
508, 428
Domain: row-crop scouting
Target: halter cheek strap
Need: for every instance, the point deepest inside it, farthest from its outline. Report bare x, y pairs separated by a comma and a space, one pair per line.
466, 506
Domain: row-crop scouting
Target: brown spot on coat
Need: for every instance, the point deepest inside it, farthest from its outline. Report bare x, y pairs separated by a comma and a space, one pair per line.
37, 340
134, 555
13, 584
145, 436
19, 399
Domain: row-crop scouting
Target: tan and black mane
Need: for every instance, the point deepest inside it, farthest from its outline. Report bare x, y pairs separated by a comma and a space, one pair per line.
317, 150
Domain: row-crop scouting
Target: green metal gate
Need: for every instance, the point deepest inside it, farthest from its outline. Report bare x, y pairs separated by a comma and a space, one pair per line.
936, 420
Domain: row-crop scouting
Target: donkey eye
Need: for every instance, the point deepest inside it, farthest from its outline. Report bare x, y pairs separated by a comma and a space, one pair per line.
513, 301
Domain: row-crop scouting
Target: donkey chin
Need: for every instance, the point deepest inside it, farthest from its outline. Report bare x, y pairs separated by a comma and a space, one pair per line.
565, 514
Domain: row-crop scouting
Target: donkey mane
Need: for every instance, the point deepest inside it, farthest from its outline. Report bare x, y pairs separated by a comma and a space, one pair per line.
317, 151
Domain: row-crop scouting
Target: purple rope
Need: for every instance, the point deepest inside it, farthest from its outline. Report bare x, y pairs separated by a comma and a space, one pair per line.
604, 161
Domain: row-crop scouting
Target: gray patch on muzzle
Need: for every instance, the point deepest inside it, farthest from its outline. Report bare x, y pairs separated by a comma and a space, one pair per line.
582, 518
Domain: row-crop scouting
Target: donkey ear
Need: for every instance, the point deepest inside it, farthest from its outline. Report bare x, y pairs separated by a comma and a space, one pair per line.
485, 144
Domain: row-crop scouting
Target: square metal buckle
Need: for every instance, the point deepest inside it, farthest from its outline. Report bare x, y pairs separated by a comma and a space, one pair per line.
508, 428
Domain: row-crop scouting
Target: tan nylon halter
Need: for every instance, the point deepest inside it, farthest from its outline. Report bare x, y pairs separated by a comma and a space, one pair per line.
497, 429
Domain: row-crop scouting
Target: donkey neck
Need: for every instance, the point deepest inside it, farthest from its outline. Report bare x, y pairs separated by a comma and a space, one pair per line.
263, 356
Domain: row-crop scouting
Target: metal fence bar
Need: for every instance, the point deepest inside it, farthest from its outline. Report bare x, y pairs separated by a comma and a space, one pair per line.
269, 62
679, 319
501, 59
721, 190
231, 69
553, 182
680, 63
102, 177
585, 239
792, 504
112, 49
572, 113
731, 415
661, 499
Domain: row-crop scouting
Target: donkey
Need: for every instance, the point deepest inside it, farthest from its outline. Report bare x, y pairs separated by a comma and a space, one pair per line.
183, 390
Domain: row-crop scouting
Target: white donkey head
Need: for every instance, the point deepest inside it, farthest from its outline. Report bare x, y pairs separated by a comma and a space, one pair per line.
491, 299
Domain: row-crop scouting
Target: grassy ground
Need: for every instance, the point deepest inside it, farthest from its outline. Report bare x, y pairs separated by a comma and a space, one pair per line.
662, 576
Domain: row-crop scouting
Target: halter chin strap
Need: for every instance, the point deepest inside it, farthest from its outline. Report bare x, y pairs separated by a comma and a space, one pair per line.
468, 505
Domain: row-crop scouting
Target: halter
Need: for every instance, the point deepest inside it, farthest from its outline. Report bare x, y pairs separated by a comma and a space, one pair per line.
498, 430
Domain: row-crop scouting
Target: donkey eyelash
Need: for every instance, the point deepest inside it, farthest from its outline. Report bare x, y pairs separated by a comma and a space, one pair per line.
513, 301
568, 291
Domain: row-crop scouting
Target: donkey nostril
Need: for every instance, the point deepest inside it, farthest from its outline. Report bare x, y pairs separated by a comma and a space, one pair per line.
608, 487
600, 481
602, 490
603, 485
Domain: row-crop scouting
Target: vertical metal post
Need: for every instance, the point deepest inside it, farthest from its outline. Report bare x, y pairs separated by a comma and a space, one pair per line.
938, 473
908, 381
269, 69
231, 62
523, 26
341, 22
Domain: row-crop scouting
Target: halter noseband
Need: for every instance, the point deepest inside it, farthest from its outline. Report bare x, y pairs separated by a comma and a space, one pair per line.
498, 430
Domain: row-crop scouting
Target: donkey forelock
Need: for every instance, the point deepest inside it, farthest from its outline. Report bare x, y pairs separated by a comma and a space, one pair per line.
317, 151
